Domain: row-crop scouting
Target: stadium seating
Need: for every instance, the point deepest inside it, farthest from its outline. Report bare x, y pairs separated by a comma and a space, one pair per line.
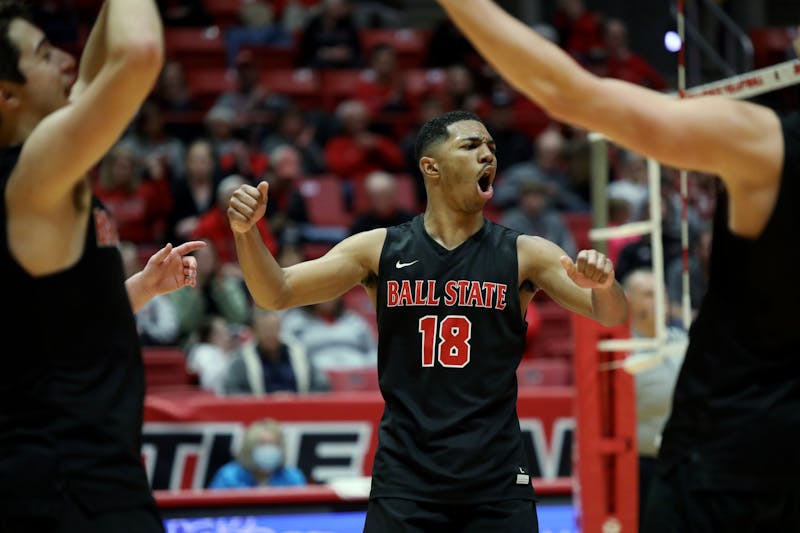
353, 380
165, 368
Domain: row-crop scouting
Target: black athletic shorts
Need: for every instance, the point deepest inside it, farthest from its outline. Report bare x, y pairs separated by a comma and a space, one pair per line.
676, 505
74, 518
398, 515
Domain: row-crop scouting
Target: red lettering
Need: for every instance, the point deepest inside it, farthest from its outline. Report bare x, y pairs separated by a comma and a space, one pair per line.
392, 293
450, 293
431, 298
475, 298
501, 296
490, 288
463, 287
418, 292
405, 293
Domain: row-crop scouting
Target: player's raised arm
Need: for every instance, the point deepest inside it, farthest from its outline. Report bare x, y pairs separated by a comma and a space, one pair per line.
128, 46
737, 140
352, 261
586, 286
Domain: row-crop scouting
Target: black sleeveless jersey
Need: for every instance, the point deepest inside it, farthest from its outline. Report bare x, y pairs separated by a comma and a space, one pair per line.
72, 385
736, 407
451, 335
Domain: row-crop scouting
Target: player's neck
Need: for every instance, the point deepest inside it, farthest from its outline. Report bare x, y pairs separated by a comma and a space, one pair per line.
450, 229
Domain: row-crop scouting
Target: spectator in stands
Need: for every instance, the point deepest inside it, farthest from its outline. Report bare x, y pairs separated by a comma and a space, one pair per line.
210, 356
549, 164
382, 86
656, 381
630, 183
213, 225
287, 213
623, 63
533, 216
157, 321
175, 97
461, 93
230, 152
292, 127
190, 13
330, 39
140, 204
334, 338
357, 151
260, 461
253, 104
699, 263
194, 193
515, 146
149, 138
579, 29
270, 362
257, 27
381, 191
220, 290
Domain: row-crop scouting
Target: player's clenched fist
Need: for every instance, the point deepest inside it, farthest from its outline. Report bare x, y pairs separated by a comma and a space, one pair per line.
247, 206
592, 270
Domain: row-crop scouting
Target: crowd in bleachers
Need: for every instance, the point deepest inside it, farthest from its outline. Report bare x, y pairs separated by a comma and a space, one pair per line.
323, 100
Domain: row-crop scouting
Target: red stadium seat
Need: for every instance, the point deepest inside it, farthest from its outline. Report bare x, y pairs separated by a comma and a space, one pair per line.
338, 85
411, 44
315, 250
272, 56
353, 380
325, 201
302, 85
421, 82
406, 194
196, 47
165, 366
225, 13
544, 372
207, 84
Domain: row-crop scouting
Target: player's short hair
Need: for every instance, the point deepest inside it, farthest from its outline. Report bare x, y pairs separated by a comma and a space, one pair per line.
9, 52
435, 130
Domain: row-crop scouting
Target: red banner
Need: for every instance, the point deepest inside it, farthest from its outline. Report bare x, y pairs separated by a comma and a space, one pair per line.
328, 436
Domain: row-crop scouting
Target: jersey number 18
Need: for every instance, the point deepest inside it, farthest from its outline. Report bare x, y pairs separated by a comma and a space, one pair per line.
452, 333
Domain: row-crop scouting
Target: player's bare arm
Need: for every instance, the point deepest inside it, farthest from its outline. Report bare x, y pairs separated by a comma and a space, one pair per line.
349, 263
51, 163
586, 286
739, 141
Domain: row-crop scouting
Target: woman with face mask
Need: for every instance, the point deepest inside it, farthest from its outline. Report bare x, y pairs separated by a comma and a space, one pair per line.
260, 461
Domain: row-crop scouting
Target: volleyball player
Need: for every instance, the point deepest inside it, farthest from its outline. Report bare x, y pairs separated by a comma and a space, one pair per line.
729, 458
72, 379
450, 289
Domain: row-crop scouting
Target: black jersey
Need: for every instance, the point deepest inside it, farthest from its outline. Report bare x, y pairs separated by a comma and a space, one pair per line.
72, 384
451, 335
736, 407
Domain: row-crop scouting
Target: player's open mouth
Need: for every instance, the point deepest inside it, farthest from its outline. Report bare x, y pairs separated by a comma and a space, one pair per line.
485, 180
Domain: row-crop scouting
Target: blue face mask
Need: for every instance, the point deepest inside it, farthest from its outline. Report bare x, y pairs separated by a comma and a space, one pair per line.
268, 457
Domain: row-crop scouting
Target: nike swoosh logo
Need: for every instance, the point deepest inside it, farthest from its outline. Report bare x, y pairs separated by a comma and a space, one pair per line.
403, 265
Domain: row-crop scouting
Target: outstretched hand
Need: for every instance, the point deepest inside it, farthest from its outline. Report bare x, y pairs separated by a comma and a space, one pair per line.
592, 270
170, 268
247, 205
